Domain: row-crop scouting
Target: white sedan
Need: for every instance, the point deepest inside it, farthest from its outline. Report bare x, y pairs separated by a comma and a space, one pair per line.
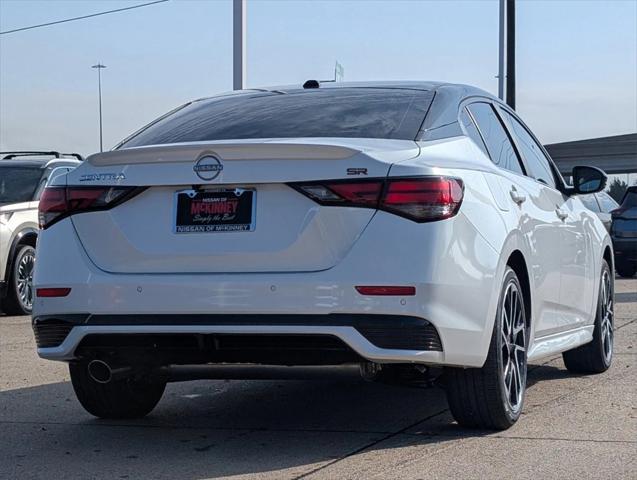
394, 225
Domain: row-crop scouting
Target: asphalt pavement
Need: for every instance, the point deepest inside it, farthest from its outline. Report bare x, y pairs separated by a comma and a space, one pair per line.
337, 426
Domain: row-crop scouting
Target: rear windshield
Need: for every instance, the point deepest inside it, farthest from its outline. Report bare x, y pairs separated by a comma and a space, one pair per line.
18, 184
331, 112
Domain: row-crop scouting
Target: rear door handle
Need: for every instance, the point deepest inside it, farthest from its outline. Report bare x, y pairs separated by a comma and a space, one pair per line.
561, 214
517, 196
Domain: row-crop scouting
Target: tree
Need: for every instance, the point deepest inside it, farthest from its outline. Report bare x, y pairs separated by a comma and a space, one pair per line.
617, 189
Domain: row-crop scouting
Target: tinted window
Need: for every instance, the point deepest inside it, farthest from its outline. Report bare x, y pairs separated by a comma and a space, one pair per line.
535, 159
607, 202
472, 130
498, 143
630, 199
18, 184
330, 112
590, 202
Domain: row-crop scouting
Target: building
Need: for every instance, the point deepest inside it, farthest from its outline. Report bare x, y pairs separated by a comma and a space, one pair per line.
614, 155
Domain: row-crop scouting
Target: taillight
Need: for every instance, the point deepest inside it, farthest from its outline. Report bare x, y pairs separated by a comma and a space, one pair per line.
359, 193
421, 199
57, 203
363, 193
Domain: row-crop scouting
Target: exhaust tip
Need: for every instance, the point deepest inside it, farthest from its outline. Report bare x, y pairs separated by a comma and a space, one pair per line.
99, 371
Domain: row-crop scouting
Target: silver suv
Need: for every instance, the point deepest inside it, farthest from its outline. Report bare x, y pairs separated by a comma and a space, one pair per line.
23, 176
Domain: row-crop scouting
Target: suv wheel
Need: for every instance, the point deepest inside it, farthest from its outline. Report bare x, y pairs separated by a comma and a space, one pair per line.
596, 356
123, 398
493, 396
20, 295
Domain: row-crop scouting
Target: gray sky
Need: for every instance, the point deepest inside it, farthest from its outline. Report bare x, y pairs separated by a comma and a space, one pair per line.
577, 60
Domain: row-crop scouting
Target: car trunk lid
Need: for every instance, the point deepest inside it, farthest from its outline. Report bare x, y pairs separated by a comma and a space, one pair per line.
280, 230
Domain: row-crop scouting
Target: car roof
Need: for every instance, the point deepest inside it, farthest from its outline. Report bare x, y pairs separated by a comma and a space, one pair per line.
38, 162
413, 85
31, 162
460, 90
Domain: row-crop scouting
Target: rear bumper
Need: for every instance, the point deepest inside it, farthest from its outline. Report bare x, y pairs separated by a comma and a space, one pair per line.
454, 272
381, 338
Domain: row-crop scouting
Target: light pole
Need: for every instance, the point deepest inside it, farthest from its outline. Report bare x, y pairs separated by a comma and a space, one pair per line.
510, 58
506, 54
238, 44
99, 67
502, 50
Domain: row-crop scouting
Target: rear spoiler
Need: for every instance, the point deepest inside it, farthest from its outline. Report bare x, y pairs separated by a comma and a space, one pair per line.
225, 151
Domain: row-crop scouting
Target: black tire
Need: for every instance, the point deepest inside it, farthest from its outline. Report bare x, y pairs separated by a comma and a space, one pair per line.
124, 398
626, 269
596, 356
478, 397
14, 304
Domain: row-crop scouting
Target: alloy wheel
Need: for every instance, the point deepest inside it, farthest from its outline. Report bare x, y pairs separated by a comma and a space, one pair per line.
513, 338
24, 279
606, 324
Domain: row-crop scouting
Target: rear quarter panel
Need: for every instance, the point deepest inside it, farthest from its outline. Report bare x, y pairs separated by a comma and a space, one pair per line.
490, 221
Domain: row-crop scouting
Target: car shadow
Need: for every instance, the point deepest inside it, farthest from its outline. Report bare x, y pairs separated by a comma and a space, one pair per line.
625, 297
216, 428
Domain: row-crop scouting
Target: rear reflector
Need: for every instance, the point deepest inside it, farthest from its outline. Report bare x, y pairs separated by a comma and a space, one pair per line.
57, 203
52, 292
386, 290
421, 199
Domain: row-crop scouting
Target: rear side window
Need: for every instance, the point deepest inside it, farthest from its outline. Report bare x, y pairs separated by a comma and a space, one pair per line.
330, 112
18, 184
590, 202
536, 161
495, 136
472, 130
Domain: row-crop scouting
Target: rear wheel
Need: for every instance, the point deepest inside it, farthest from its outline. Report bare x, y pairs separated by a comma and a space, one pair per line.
123, 398
597, 356
19, 299
492, 396
626, 269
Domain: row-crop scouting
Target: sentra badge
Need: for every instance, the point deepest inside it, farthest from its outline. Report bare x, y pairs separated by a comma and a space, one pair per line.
99, 177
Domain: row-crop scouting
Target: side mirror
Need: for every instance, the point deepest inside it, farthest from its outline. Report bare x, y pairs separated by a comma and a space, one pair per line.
588, 180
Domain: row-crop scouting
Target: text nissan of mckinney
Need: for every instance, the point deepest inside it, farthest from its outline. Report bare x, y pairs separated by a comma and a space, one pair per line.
393, 225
